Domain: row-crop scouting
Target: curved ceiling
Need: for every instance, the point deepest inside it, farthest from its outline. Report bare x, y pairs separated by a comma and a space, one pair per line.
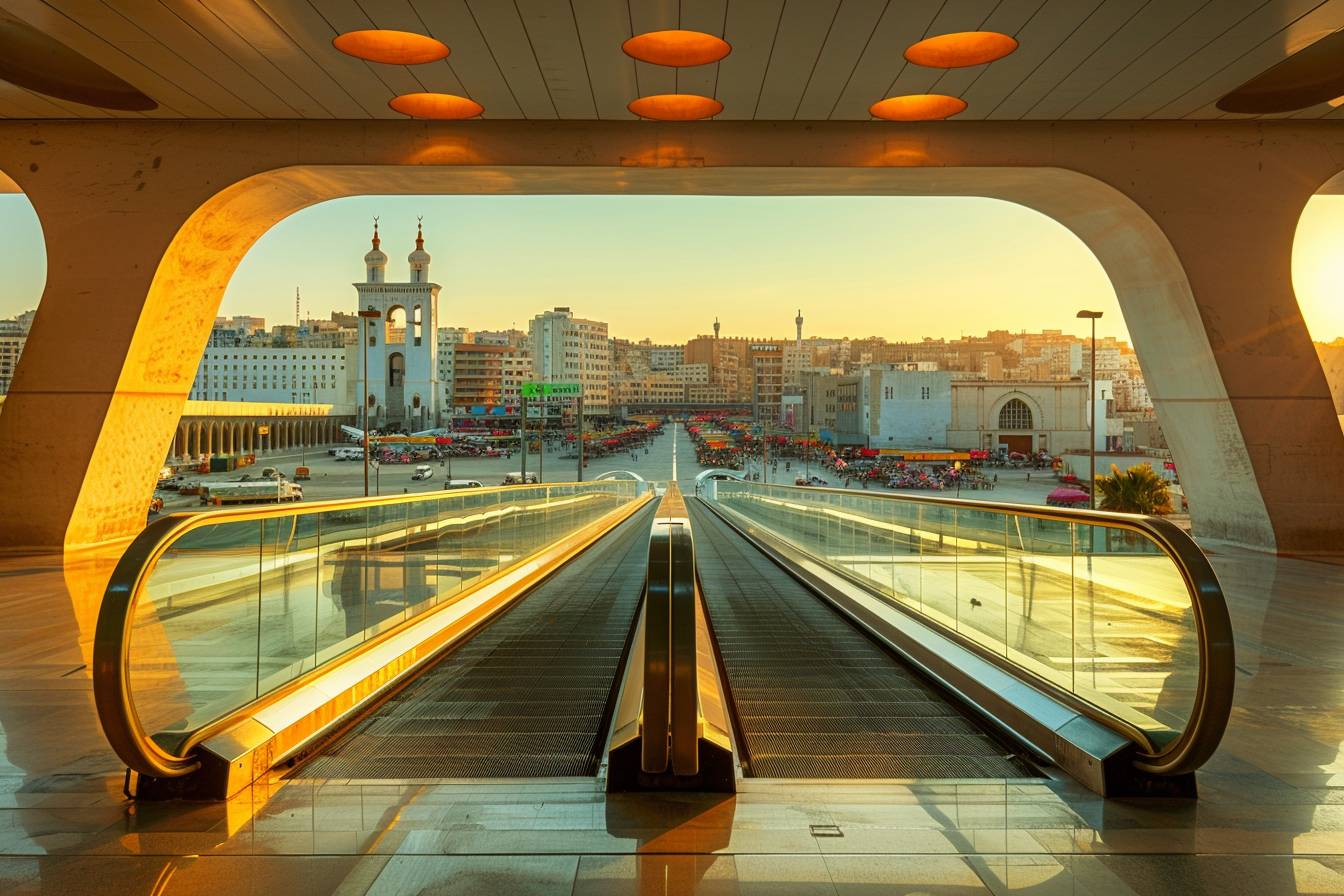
549, 59
36, 61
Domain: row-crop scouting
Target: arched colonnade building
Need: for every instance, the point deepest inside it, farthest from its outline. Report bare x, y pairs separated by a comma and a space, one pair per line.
236, 427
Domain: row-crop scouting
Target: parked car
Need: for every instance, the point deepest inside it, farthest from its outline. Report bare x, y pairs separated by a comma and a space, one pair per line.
521, 479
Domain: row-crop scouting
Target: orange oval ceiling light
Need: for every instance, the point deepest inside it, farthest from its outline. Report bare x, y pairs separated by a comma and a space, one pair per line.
675, 107
436, 105
917, 107
961, 49
391, 47
676, 48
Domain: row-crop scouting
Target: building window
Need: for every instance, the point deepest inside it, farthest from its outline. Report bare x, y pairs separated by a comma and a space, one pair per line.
1015, 415
925, 392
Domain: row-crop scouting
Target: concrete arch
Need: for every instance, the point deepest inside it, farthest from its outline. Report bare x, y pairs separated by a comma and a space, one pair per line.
1211, 365
1332, 358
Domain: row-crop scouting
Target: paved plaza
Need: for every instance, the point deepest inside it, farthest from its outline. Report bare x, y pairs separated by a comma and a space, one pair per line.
345, 479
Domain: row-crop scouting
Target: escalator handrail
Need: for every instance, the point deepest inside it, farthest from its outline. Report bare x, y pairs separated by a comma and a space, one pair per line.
1212, 706
111, 667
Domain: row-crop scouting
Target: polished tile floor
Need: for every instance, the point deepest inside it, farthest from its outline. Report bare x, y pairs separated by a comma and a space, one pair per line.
1270, 818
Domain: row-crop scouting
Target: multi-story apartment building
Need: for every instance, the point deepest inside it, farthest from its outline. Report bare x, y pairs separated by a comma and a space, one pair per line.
13, 336
569, 349
447, 338
767, 380
654, 387
515, 370
478, 377
295, 374
689, 373
666, 357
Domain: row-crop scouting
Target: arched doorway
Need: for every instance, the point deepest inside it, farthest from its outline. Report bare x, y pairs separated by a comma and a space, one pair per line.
1015, 424
396, 389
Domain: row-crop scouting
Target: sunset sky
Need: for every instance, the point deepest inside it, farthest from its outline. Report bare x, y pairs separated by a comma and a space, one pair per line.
664, 267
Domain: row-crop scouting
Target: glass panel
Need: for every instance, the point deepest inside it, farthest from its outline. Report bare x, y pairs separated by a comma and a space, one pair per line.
341, 575
234, 609
981, 577
289, 574
1095, 608
194, 636
1040, 597
1137, 651
385, 568
937, 535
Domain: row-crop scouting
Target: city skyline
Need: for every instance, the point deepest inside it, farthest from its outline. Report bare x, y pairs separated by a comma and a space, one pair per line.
750, 261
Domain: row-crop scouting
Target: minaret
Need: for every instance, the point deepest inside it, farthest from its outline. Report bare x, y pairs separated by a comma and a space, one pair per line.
419, 259
798, 321
716, 328
375, 262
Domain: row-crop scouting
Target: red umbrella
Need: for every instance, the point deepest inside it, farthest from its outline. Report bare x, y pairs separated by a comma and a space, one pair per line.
1067, 496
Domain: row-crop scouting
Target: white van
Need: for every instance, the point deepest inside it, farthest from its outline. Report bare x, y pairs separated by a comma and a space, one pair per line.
453, 484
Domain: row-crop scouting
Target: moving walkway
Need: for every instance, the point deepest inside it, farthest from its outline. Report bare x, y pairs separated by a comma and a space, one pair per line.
527, 696
596, 629
815, 695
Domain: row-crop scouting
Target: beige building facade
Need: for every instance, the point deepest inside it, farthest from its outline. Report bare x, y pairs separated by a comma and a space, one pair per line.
1026, 417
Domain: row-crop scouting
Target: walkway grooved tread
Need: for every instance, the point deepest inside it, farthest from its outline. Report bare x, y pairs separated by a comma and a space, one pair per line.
817, 698
526, 696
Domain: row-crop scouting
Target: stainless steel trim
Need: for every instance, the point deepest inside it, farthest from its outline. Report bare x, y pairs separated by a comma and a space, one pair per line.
671, 698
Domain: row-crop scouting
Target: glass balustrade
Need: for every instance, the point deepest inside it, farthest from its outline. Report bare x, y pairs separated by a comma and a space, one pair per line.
1092, 603
239, 603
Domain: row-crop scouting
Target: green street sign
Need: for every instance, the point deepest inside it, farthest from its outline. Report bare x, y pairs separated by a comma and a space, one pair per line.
551, 390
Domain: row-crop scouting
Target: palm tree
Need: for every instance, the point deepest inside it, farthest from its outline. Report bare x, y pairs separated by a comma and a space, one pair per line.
1136, 490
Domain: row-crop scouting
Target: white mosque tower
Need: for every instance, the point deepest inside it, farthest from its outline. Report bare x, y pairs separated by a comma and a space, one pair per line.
403, 387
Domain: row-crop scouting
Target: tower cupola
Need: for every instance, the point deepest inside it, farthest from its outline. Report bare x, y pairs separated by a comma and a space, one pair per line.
375, 260
419, 259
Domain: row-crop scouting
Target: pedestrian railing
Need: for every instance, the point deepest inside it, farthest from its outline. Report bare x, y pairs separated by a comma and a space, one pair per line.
1120, 615
208, 616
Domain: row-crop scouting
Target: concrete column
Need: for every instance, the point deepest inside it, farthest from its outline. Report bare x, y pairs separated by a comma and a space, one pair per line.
1192, 221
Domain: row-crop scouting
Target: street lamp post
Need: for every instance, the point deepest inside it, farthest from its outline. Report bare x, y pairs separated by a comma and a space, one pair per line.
371, 314
1093, 316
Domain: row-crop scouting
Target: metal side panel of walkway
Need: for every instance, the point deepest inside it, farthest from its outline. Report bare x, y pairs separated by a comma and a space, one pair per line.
815, 696
528, 696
